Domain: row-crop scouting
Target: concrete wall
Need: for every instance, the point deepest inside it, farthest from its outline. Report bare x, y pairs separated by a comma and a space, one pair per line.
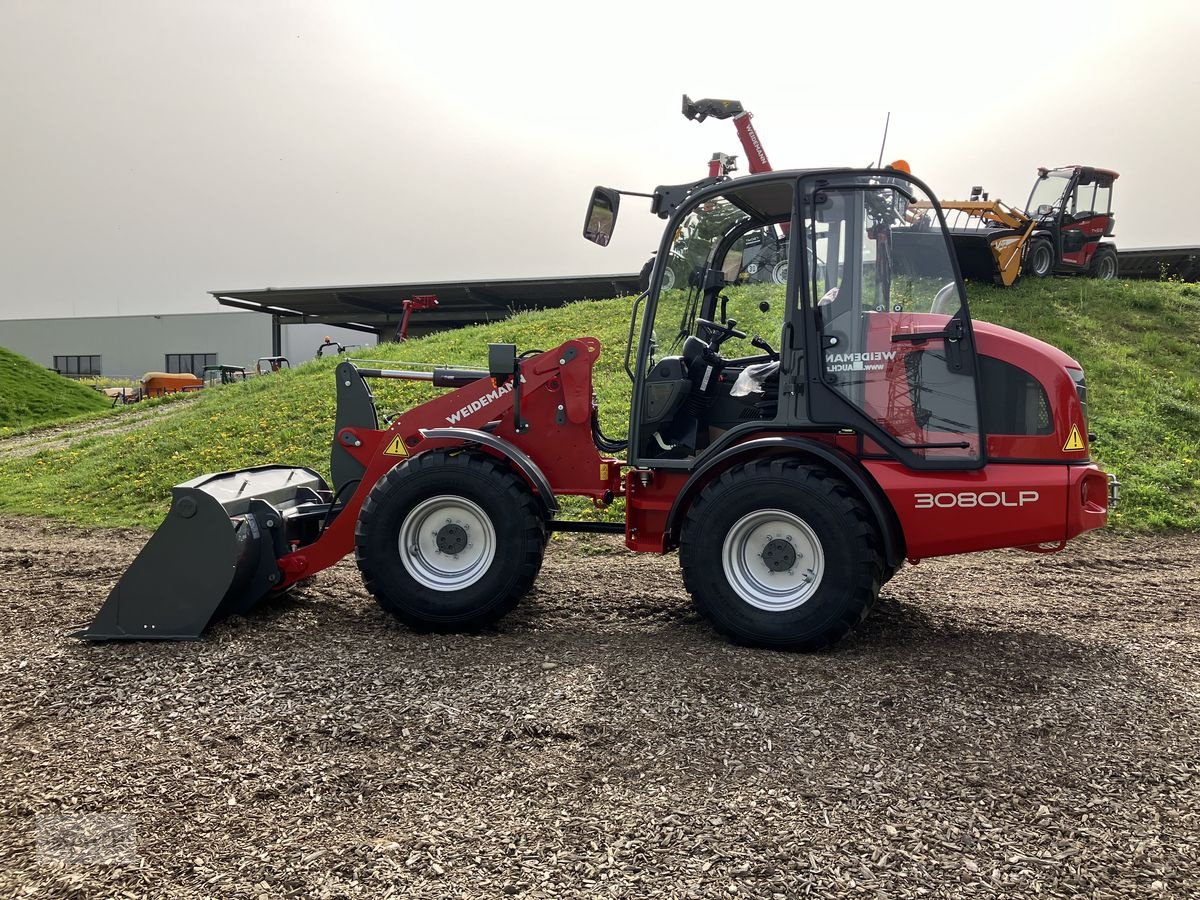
131, 345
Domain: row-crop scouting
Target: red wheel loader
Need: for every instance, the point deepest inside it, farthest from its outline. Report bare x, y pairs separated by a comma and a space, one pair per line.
794, 446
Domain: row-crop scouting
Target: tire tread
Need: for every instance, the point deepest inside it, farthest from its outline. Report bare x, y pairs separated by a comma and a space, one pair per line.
529, 520
861, 534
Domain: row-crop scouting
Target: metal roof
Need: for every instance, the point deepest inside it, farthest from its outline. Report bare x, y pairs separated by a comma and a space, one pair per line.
379, 308
1159, 263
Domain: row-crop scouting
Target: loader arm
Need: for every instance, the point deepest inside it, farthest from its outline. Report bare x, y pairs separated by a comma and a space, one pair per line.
231, 539
989, 237
542, 412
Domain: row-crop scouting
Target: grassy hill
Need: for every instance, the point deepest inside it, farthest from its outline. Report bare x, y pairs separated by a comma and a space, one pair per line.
33, 395
1136, 341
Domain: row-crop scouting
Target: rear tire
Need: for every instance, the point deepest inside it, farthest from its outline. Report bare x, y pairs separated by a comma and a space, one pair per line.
1039, 259
644, 275
1104, 264
669, 277
779, 554
449, 543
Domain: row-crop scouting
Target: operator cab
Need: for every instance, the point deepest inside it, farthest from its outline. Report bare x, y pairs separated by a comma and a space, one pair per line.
868, 332
1073, 209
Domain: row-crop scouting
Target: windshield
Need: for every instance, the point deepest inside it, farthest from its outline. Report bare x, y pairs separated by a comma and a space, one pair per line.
1048, 191
870, 250
722, 243
691, 252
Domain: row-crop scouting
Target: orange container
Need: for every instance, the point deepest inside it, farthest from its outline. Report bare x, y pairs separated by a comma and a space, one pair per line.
155, 384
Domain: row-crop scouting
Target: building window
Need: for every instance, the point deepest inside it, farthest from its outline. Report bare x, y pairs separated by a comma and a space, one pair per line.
190, 362
77, 365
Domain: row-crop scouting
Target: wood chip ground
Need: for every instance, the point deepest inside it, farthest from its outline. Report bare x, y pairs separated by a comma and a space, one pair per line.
1004, 725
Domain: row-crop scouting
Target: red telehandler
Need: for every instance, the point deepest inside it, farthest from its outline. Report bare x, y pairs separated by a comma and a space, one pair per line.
867, 421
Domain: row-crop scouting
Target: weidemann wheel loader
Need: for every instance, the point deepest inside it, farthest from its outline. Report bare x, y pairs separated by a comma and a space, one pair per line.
868, 421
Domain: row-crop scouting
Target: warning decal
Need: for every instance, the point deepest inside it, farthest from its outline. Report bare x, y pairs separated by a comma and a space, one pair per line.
397, 448
1074, 441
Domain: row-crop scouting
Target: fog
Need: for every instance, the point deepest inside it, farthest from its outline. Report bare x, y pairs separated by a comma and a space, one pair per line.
154, 151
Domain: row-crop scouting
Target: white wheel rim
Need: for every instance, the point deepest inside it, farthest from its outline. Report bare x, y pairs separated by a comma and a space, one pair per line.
1041, 259
779, 272
668, 282
447, 543
1106, 268
773, 560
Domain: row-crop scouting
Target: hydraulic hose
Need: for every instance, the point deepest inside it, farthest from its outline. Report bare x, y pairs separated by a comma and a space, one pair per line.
606, 444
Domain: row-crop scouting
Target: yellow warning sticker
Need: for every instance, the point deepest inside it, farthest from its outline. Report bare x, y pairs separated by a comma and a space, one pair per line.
604, 471
396, 447
1074, 441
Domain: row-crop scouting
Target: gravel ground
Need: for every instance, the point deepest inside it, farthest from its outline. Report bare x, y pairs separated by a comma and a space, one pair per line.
1003, 725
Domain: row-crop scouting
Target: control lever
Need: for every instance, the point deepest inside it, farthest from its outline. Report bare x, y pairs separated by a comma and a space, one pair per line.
761, 344
721, 333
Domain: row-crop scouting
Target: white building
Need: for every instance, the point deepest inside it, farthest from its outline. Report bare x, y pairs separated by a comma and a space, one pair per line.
128, 346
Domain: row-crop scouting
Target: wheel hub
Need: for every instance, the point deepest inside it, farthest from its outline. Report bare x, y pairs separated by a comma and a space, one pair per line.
451, 538
779, 555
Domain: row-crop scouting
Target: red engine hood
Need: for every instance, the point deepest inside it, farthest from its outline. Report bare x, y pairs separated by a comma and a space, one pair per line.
1016, 347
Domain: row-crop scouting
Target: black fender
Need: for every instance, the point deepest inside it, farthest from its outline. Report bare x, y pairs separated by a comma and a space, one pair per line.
527, 467
844, 465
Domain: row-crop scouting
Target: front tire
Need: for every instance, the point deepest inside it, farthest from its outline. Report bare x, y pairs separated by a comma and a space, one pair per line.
779, 554
449, 542
1039, 259
779, 272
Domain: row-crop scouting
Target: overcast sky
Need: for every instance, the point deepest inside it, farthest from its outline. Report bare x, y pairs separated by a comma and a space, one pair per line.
153, 151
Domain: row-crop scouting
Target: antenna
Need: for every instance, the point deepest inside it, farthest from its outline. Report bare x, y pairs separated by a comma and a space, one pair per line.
887, 122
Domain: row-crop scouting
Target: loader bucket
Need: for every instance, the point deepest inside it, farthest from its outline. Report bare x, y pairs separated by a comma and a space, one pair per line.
980, 260
214, 555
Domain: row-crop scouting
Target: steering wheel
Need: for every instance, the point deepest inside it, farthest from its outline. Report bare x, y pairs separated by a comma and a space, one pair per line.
946, 301
721, 333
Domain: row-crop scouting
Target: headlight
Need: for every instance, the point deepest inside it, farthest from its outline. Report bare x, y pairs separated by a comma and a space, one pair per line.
1080, 389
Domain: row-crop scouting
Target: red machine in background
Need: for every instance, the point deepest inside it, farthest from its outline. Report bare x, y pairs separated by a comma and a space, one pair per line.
1072, 211
765, 253
411, 305
722, 164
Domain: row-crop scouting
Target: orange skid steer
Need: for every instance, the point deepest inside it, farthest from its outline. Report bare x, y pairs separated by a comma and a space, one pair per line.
795, 450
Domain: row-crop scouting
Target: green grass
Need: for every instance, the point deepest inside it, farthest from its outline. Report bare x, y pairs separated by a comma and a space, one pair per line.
32, 395
1136, 342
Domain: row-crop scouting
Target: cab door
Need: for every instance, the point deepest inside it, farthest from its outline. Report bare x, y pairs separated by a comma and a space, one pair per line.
892, 351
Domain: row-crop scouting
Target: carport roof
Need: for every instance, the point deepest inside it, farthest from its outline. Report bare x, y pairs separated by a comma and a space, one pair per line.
379, 307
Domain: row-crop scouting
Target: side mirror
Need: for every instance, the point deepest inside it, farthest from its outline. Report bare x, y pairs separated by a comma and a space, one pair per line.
1045, 209
602, 216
